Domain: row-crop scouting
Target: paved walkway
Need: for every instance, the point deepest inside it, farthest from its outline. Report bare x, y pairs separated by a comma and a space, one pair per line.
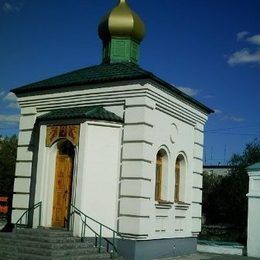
202, 256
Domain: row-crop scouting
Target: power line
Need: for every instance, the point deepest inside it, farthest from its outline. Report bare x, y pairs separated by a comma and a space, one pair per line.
231, 128
231, 133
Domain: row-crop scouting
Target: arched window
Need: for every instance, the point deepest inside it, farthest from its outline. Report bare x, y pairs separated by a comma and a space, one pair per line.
180, 169
161, 167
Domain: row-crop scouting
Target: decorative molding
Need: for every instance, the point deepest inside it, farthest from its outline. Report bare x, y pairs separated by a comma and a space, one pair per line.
196, 188
21, 193
197, 202
134, 197
197, 158
253, 195
199, 144
28, 114
105, 123
55, 132
24, 161
133, 216
94, 98
136, 160
26, 130
134, 236
17, 208
142, 105
196, 217
22, 177
137, 141
198, 173
180, 109
163, 204
197, 129
140, 123
136, 179
172, 114
25, 145
182, 206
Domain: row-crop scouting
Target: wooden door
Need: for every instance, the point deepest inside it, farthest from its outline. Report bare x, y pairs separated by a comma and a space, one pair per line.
62, 190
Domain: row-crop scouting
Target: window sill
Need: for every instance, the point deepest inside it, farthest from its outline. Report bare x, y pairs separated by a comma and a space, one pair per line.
181, 205
163, 204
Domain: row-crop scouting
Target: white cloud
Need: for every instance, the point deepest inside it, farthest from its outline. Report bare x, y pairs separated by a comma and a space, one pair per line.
12, 100
11, 8
217, 111
9, 119
241, 35
11, 97
189, 91
244, 56
233, 118
255, 39
14, 105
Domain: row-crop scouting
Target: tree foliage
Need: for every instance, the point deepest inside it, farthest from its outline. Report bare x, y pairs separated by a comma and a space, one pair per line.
224, 198
8, 148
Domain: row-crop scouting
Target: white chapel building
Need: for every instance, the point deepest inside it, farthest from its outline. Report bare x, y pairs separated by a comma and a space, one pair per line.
117, 143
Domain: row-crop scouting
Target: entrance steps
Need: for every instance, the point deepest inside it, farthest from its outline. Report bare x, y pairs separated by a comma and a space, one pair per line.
47, 244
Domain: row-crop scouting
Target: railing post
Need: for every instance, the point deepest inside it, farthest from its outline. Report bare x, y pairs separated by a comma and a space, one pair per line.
111, 245
100, 238
40, 214
85, 222
82, 230
26, 218
113, 253
95, 240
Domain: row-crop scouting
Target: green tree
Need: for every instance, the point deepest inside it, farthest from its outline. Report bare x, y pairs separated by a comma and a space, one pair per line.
224, 199
8, 148
211, 183
235, 185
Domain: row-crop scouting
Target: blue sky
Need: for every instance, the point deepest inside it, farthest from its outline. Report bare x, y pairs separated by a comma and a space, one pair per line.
208, 48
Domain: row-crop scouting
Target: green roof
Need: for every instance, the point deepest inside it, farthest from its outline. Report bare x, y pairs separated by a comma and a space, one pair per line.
253, 168
93, 112
104, 73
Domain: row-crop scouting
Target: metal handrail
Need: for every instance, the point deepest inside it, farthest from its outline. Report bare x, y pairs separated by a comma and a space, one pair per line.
26, 215
98, 235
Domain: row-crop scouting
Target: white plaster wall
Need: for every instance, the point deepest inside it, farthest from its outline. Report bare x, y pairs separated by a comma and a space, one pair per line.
156, 129
253, 245
99, 168
23, 167
153, 119
45, 176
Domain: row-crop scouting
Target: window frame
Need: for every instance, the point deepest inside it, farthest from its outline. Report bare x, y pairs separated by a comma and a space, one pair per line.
180, 178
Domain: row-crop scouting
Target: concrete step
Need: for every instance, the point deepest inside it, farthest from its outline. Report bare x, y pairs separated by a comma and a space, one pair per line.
48, 244
44, 232
37, 257
30, 256
50, 239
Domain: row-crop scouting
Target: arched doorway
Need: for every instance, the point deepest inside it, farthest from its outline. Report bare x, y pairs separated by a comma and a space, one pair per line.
63, 183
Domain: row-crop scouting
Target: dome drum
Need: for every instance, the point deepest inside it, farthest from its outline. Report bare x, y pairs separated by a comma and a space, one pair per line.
121, 31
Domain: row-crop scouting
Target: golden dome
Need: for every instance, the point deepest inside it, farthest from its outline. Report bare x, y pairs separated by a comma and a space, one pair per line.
121, 22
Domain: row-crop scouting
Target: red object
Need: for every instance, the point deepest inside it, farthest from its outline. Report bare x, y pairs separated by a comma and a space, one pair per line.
3, 205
